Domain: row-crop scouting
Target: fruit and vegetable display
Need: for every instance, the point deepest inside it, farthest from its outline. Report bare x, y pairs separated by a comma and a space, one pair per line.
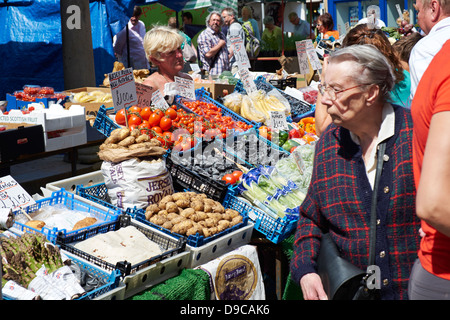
91, 96
190, 213
32, 92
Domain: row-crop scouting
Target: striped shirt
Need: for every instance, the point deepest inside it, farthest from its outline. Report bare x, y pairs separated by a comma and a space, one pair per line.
207, 40
339, 200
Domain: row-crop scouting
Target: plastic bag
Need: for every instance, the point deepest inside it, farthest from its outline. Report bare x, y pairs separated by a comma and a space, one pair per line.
233, 102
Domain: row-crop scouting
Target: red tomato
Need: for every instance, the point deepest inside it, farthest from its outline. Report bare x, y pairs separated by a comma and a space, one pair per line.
165, 123
154, 119
144, 127
171, 113
134, 120
237, 174
157, 130
120, 117
145, 113
229, 178
134, 109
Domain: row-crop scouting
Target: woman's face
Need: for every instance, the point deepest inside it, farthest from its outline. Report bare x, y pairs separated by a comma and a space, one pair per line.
320, 27
348, 109
172, 62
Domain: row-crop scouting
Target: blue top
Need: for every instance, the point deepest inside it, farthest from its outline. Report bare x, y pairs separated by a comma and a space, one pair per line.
401, 92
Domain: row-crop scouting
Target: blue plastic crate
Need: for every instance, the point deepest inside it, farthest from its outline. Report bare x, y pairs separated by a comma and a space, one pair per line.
170, 246
110, 280
192, 240
275, 230
68, 200
203, 95
262, 84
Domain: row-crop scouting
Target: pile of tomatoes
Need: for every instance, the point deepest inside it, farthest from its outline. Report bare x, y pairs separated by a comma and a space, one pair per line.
214, 114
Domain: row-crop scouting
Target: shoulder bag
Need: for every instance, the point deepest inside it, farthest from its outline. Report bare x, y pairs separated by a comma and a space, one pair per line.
341, 279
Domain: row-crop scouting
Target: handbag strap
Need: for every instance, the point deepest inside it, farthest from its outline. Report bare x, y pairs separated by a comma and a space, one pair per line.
373, 214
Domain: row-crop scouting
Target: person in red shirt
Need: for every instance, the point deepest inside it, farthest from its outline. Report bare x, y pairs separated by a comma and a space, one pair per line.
430, 277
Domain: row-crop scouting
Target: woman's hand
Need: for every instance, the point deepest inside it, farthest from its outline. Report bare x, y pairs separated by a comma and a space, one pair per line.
312, 287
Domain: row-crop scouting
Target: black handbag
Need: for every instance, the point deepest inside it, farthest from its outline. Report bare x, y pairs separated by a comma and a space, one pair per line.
342, 280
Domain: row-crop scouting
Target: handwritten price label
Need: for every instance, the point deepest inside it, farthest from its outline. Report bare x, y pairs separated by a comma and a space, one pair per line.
278, 120
144, 95
12, 195
185, 87
123, 88
159, 101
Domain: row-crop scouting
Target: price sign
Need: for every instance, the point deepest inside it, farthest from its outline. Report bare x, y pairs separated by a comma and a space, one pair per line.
185, 87
159, 101
312, 55
278, 120
12, 195
247, 81
123, 88
240, 53
302, 57
144, 95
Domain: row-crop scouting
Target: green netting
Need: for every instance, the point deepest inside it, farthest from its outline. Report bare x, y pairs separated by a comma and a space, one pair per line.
190, 284
292, 290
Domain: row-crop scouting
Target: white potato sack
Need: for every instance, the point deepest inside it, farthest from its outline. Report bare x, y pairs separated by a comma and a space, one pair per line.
136, 183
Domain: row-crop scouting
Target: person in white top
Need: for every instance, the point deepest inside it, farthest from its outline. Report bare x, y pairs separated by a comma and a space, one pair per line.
433, 17
373, 14
136, 33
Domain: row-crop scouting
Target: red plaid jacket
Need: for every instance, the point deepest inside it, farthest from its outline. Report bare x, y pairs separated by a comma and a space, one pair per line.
338, 201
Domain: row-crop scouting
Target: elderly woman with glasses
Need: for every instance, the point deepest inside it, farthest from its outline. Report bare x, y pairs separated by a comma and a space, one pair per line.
355, 92
162, 46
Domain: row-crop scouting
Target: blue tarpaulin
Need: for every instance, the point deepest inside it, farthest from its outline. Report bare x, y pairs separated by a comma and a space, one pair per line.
31, 41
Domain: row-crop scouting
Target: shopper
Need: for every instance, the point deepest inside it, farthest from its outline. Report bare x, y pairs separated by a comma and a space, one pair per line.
302, 29
188, 48
404, 46
163, 48
212, 46
135, 32
271, 36
433, 17
363, 34
355, 90
247, 15
234, 30
430, 277
373, 18
325, 28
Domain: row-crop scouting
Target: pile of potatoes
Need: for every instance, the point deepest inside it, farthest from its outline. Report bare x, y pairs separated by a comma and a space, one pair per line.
130, 139
190, 213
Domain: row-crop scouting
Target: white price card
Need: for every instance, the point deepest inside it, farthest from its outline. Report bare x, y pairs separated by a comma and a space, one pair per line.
240, 53
123, 88
278, 120
12, 195
195, 67
158, 101
144, 95
302, 57
247, 80
186, 87
312, 55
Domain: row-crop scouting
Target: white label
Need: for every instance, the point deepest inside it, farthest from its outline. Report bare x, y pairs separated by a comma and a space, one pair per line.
278, 120
123, 88
158, 101
240, 53
144, 95
302, 57
247, 81
312, 55
12, 195
185, 87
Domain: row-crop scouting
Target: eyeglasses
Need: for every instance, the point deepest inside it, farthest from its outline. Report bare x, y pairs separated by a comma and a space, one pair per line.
332, 93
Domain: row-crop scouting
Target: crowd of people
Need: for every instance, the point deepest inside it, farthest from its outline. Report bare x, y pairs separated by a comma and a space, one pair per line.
371, 92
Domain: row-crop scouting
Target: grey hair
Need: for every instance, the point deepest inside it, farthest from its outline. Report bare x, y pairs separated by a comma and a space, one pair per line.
229, 11
374, 66
211, 14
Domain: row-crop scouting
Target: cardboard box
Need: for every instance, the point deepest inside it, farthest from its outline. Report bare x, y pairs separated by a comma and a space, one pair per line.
62, 129
216, 89
21, 140
90, 107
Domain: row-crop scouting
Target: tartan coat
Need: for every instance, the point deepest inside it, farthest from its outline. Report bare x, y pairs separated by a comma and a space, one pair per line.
339, 200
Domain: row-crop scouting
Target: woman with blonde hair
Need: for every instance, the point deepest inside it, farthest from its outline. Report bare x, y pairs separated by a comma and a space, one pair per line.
162, 45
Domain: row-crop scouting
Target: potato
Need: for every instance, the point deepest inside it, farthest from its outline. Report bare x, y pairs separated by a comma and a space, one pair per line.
236, 220
226, 216
152, 208
192, 230
218, 208
177, 220
182, 227
127, 141
187, 213
199, 216
167, 225
222, 225
210, 222
148, 215
164, 201
233, 213
183, 203
197, 205
159, 220
119, 134
207, 207
163, 213
172, 215
179, 196
171, 207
